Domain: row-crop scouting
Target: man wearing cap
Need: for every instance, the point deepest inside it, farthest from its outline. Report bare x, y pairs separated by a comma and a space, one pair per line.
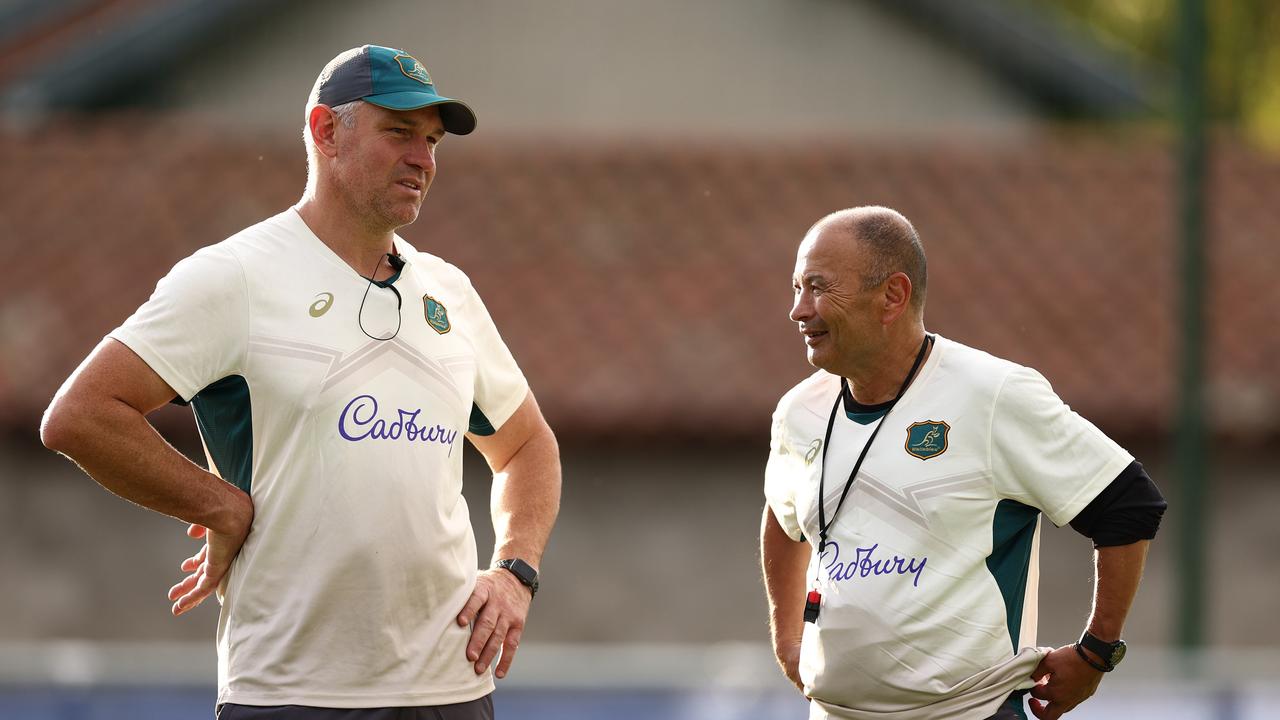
333, 369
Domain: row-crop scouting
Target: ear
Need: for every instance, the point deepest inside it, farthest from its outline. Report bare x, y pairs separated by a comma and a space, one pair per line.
897, 296
323, 126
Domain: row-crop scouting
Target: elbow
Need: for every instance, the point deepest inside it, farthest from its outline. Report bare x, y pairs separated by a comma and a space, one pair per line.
544, 436
61, 426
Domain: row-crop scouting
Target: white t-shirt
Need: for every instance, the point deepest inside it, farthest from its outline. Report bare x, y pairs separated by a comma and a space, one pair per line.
361, 554
930, 576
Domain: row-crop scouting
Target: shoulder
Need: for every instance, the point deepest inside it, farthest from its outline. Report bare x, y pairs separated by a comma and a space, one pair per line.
982, 372
213, 269
272, 240
808, 397
972, 361
1008, 388
434, 266
264, 243
260, 250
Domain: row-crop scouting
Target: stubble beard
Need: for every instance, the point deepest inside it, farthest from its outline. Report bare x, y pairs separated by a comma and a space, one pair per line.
378, 213
394, 215
371, 202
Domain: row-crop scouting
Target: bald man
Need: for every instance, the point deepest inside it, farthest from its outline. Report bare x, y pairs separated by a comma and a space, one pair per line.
905, 485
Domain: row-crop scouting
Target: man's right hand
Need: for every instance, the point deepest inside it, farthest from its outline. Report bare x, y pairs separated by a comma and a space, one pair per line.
788, 655
98, 418
208, 567
783, 562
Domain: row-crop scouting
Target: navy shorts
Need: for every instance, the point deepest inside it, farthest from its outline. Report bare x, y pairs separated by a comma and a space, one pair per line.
480, 709
1013, 708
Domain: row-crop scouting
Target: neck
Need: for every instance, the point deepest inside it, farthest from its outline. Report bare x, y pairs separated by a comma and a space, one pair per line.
338, 227
881, 376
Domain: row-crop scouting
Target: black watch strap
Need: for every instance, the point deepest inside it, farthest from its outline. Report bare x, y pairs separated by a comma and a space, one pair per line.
1110, 652
523, 571
1092, 663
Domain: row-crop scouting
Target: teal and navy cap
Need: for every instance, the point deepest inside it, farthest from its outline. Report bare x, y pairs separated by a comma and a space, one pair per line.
388, 78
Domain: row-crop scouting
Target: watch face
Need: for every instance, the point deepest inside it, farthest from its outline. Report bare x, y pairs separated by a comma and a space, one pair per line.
524, 570
1117, 654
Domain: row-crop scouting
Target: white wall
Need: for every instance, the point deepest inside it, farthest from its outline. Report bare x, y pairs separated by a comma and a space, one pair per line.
657, 67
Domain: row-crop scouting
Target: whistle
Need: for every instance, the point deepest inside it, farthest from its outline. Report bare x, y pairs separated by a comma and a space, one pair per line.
811, 606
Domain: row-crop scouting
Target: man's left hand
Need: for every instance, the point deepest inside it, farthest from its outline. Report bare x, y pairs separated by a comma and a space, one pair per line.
496, 612
1064, 681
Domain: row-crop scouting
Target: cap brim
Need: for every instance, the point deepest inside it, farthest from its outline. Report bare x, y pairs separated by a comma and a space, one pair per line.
456, 116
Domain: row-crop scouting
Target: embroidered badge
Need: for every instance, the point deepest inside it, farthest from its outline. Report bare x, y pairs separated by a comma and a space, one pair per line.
436, 314
410, 66
927, 439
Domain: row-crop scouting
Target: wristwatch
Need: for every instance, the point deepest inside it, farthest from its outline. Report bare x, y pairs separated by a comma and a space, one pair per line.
523, 571
1110, 652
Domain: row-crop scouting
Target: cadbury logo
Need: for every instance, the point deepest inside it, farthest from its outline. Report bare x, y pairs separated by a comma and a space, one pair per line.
359, 421
865, 564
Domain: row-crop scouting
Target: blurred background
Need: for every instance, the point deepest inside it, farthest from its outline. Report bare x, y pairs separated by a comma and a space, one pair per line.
1090, 178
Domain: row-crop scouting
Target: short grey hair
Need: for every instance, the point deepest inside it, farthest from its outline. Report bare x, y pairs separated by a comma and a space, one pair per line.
346, 114
892, 245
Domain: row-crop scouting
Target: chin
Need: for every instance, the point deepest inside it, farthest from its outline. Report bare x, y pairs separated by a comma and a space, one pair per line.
399, 217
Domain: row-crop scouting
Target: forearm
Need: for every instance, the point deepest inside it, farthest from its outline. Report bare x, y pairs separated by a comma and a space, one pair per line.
1118, 572
116, 446
526, 499
783, 563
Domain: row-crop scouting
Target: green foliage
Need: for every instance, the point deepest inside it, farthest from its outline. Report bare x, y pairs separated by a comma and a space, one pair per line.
1243, 53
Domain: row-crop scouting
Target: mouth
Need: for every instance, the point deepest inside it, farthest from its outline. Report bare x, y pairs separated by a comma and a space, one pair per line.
413, 185
813, 337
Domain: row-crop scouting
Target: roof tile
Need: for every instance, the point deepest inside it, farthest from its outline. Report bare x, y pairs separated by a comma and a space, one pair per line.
645, 288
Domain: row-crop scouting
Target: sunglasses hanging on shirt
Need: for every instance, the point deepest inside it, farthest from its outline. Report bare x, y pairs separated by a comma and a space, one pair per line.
397, 264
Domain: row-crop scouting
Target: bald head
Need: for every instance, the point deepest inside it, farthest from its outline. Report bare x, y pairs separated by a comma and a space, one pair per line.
889, 244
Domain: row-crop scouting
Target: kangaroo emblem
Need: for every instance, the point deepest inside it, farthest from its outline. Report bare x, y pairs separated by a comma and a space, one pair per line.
927, 439
437, 316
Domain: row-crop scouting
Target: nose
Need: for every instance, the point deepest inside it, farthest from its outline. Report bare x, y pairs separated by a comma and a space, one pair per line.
802, 307
422, 157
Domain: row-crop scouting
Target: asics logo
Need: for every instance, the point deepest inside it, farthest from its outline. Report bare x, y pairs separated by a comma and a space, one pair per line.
322, 304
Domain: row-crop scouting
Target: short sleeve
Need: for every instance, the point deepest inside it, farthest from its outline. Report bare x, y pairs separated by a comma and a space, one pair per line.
193, 330
780, 481
1045, 455
500, 387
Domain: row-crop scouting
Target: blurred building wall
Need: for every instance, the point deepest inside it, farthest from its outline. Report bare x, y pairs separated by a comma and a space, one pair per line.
758, 68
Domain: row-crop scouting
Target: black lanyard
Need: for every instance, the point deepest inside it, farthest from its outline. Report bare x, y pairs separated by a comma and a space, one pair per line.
823, 525
397, 263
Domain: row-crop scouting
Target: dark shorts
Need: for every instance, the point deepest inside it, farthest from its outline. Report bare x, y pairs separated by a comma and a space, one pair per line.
480, 709
1013, 709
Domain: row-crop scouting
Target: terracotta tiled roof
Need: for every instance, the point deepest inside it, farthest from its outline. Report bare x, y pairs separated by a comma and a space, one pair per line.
58, 29
645, 288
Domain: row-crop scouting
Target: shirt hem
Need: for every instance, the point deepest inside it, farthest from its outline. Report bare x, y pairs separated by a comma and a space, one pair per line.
503, 413
1091, 489
441, 697
976, 698
155, 361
